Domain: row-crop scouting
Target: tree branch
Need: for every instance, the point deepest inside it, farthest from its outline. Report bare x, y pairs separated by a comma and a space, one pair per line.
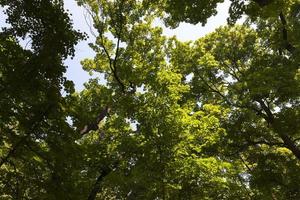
103, 173
12, 151
246, 165
94, 125
269, 115
288, 46
119, 33
290, 144
96, 187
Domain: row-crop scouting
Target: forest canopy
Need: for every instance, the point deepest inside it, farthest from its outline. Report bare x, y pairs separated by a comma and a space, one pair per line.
212, 118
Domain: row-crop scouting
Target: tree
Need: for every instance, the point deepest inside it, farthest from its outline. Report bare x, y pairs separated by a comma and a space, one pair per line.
34, 133
260, 87
256, 88
156, 142
215, 118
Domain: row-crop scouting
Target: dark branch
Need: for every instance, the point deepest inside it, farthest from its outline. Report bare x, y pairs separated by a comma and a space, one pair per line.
296, 140
249, 143
119, 33
94, 125
290, 144
22, 140
97, 185
288, 46
269, 115
39, 154
246, 165
103, 173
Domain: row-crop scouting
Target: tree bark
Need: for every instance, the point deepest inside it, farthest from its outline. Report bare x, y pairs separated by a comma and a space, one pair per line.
94, 125
97, 186
290, 144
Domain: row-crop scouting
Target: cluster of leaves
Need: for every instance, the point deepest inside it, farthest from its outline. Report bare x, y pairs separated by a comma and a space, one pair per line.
35, 140
215, 118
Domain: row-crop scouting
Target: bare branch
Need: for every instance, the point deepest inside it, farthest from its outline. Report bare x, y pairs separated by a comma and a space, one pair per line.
88, 22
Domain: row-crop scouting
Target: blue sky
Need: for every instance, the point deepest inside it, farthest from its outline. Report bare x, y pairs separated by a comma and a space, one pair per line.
184, 32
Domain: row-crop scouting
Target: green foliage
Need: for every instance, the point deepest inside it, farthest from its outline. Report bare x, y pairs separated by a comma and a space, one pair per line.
36, 142
215, 118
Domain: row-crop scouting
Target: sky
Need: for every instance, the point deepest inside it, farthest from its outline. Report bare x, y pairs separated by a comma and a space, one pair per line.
184, 32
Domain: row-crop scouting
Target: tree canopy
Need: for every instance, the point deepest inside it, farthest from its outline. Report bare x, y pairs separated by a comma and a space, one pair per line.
214, 118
